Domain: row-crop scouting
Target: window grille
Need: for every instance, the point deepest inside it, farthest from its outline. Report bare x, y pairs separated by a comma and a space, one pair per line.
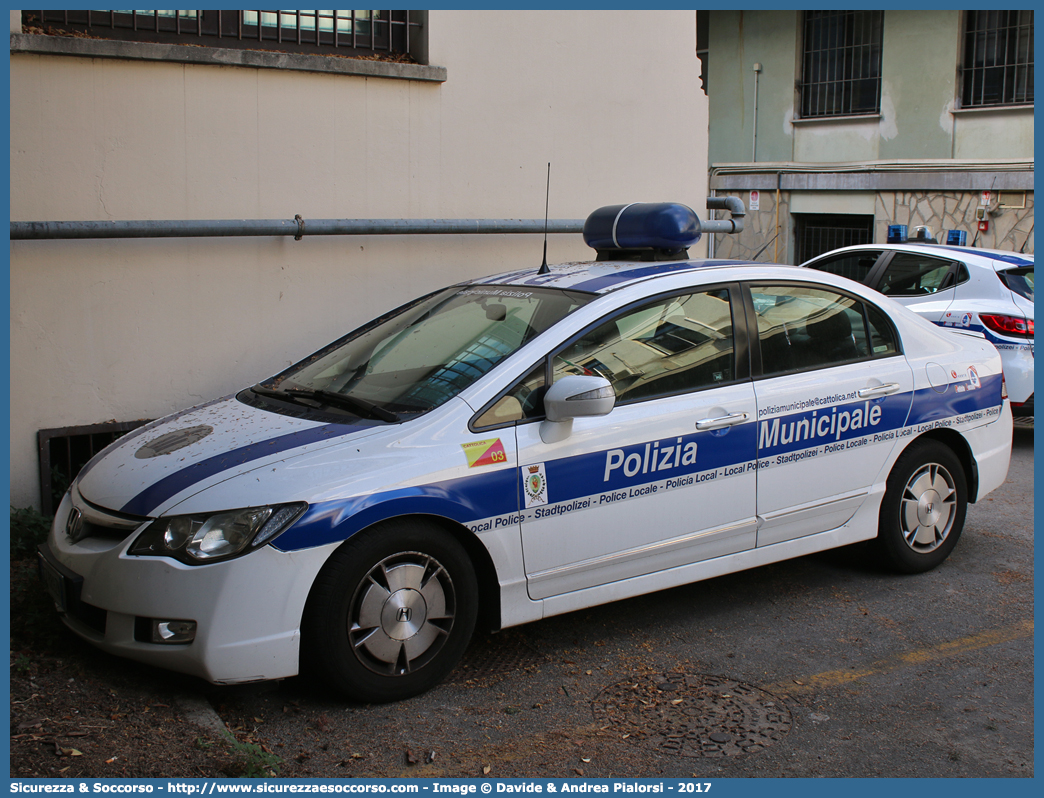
841, 63
387, 33
998, 58
64, 451
819, 233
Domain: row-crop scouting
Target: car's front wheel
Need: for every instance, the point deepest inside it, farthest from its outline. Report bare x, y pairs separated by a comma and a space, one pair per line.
922, 514
391, 612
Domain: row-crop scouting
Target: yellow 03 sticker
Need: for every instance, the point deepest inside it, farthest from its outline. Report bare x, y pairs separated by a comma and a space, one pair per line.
483, 453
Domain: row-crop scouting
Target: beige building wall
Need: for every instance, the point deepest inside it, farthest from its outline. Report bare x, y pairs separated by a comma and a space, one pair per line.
125, 329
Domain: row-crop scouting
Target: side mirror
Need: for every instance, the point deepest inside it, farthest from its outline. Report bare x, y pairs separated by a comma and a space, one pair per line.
574, 396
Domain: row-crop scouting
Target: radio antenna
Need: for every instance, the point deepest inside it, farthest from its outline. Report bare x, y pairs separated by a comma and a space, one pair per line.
543, 266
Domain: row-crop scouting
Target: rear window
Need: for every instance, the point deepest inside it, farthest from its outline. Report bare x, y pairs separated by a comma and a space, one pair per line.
1020, 281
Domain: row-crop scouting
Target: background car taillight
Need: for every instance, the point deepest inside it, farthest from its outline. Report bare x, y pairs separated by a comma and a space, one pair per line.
1008, 325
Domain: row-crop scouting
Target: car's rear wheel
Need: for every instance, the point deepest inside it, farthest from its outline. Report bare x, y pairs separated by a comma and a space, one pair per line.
922, 514
391, 612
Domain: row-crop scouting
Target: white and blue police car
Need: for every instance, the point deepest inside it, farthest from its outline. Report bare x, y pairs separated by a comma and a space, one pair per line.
523, 445
986, 290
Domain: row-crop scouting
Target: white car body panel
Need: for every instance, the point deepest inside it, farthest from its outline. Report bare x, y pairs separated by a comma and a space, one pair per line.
654, 439
596, 534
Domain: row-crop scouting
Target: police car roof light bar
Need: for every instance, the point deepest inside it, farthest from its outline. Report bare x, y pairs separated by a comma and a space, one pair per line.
642, 231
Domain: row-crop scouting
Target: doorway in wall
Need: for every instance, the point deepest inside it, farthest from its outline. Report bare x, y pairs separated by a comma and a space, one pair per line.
821, 232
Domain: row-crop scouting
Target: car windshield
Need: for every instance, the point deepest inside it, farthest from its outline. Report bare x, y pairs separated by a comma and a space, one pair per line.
422, 354
1019, 280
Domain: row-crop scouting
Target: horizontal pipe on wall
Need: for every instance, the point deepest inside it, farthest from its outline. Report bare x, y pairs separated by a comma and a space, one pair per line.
298, 228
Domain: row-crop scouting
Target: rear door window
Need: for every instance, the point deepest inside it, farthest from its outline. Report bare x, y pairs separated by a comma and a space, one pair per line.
801, 328
911, 274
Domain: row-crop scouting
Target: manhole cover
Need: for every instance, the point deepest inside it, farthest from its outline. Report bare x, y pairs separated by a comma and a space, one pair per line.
693, 715
496, 656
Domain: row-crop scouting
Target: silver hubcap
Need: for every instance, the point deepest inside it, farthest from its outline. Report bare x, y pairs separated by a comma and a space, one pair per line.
927, 509
402, 613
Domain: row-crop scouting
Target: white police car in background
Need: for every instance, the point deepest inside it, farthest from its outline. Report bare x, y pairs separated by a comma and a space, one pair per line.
990, 291
524, 445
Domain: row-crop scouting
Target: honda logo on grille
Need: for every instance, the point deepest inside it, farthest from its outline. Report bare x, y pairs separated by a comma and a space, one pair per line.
74, 525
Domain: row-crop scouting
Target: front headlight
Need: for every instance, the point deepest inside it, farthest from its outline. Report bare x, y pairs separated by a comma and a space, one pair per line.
207, 538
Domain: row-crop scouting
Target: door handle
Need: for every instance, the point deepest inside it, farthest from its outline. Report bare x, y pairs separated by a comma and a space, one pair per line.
878, 390
722, 421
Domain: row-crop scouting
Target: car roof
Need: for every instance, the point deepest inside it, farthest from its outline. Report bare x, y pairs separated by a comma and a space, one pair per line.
964, 253
600, 277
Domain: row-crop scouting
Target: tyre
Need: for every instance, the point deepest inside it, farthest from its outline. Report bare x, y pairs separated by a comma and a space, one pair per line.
391, 612
923, 510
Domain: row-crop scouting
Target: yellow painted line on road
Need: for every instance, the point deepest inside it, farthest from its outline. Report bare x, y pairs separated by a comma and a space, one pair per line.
921, 656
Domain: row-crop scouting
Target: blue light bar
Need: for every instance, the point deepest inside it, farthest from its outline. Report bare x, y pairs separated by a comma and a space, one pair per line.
897, 234
667, 227
956, 238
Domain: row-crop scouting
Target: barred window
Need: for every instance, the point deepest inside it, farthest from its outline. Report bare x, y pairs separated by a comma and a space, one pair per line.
841, 63
998, 58
383, 33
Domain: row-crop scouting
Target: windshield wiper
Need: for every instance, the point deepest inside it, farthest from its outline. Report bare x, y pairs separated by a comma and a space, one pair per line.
343, 401
261, 390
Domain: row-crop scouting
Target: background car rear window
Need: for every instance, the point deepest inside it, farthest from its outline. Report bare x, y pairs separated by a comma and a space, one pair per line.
1020, 281
853, 265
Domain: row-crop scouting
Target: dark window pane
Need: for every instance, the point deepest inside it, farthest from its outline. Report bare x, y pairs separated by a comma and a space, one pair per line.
853, 265
802, 328
523, 400
841, 63
882, 336
998, 58
910, 274
343, 32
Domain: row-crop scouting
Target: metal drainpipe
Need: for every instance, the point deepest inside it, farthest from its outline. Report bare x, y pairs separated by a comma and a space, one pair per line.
754, 151
775, 248
299, 227
296, 227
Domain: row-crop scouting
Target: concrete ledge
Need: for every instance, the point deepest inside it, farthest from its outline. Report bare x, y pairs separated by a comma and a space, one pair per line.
222, 56
879, 176
993, 109
878, 181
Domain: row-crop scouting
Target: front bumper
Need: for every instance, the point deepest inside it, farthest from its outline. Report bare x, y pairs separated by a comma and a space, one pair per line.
248, 610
